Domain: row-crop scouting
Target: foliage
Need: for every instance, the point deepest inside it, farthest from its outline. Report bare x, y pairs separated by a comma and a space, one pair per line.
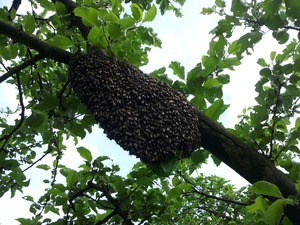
49, 113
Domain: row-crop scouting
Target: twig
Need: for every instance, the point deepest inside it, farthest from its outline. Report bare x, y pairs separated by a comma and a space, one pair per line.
119, 211
262, 24
5, 138
38, 160
212, 196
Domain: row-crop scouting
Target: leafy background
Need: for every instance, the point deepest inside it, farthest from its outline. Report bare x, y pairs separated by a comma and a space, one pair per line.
176, 51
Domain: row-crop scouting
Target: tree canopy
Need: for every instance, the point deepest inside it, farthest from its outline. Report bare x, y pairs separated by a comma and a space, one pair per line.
36, 48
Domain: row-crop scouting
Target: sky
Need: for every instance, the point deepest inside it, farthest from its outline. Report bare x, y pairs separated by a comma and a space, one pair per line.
185, 40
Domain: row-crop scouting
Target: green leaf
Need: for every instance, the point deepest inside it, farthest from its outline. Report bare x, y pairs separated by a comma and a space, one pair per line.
238, 8
136, 12
178, 70
76, 129
150, 14
216, 109
248, 41
296, 66
9, 52
127, 22
281, 36
89, 16
97, 38
36, 120
211, 83
265, 72
85, 153
94, 35
43, 167
61, 41
29, 24
220, 3
71, 178
297, 124
48, 5
199, 102
24, 221
118, 184
111, 17
175, 193
164, 169
60, 8
262, 62
195, 80
292, 9
266, 188
274, 212
199, 156
275, 22
216, 160
49, 103
114, 31
272, 55
19, 177
229, 63
207, 11
259, 204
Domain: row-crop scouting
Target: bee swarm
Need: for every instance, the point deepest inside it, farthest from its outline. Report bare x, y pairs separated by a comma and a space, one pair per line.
143, 115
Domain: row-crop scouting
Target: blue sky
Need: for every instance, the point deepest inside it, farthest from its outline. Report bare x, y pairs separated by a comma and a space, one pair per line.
185, 40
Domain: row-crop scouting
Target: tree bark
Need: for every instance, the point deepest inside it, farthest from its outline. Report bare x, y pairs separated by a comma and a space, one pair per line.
245, 161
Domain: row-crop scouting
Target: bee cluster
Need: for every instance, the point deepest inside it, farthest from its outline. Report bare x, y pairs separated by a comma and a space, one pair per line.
143, 115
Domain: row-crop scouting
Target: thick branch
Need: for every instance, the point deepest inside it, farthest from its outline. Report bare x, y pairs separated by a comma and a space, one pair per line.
240, 157
47, 50
15, 5
245, 161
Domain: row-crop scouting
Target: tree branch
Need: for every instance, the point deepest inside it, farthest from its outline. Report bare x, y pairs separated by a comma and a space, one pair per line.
75, 20
5, 138
17, 69
15, 5
122, 213
211, 196
245, 161
45, 49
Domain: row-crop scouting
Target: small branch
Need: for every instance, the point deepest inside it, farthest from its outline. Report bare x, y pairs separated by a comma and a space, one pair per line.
262, 24
107, 218
5, 138
38, 160
15, 5
75, 20
212, 212
45, 49
211, 196
119, 211
20, 67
